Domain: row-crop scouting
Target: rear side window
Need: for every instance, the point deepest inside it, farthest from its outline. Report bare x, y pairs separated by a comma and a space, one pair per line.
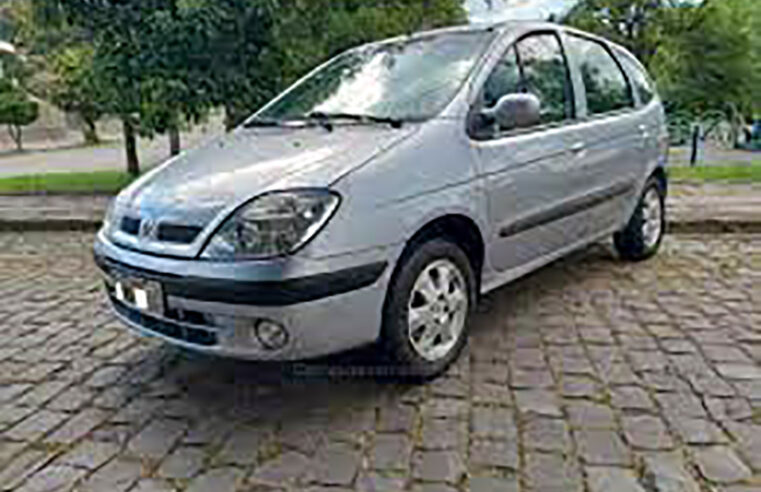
606, 85
641, 81
536, 65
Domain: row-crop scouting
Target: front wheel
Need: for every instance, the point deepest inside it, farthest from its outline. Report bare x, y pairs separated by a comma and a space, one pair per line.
427, 309
642, 236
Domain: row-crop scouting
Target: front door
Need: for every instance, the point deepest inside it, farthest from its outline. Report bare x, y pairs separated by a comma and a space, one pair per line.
528, 172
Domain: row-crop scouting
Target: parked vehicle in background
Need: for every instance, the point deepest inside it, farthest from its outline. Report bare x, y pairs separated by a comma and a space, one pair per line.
381, 195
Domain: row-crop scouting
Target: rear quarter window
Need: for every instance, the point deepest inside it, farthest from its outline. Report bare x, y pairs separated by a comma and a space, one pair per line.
607, 88
641, 81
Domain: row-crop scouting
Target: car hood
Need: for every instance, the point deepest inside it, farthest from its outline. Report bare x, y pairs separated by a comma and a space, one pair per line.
197, 187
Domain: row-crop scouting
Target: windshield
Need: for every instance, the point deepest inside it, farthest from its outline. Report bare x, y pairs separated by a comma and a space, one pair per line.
411, 79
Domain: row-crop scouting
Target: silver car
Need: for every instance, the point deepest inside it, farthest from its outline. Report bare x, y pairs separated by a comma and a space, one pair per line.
377, 198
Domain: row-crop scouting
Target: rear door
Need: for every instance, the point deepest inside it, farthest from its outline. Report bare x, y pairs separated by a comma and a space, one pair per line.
609, 138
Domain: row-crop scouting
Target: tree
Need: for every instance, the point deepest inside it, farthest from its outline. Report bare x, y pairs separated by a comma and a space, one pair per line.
641, 26
59, 63
714, 65
75, 87
16, 110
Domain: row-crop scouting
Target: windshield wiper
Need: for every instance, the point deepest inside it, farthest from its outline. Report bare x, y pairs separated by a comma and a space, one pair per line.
361, 118
269, 122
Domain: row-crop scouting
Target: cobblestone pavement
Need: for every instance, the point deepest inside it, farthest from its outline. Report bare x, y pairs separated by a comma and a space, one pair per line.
589, 375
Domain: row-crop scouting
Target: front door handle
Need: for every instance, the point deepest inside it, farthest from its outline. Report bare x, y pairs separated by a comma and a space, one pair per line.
578, 147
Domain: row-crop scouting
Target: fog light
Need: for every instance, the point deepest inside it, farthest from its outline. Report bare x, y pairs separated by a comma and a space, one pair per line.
271, 335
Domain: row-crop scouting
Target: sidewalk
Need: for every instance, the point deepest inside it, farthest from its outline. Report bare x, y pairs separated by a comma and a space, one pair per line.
695, 208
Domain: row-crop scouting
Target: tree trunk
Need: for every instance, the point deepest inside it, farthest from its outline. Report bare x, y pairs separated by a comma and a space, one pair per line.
15, 133
130, 146
174, 141
90, 132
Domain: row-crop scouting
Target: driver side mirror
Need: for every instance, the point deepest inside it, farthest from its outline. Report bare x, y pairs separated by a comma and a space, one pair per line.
517, 110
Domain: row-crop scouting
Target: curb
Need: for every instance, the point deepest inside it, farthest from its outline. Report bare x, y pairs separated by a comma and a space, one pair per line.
708, 226
52, 225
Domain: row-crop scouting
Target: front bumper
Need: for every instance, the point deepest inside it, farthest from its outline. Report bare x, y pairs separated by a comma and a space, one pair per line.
334, 310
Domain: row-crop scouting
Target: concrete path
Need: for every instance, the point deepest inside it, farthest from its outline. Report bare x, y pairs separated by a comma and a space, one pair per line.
108, 156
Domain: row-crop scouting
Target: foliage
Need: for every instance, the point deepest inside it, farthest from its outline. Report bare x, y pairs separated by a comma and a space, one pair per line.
16, 110
711, 67
96, 182
732, 172
704, 54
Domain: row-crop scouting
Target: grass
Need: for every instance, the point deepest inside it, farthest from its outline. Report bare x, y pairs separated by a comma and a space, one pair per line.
730, 173
96, 182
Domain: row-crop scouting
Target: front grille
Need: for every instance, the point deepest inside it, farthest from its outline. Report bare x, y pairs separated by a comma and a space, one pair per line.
180, 234
196, 336
130, 225
169, 233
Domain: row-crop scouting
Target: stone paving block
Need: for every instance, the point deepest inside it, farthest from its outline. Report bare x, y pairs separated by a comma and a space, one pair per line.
493, 484
531, 379
90, 454
438, 466
699, 431
492, 394
546, 434
288, 467
372, 482
720, 464
667, 472
721, 409
590, 415
22, 466
52, 478
606, 479
502, 454
153, 485
78, 426
602, 447
335, 464
391, 451
183, 462
218, 480
647, 432
631, 398
444, 434
748, 439
242, 447
552, 473
538, 402
742, 372
398, 418
493, 423
36, 425
155, 440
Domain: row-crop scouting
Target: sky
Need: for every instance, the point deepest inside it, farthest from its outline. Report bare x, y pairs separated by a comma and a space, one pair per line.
479, 10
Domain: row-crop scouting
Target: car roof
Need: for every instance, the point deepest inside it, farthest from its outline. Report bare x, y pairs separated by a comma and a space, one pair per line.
503, 27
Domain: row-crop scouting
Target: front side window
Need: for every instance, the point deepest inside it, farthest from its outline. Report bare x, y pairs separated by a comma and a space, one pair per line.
534, 65
412, 79
641, 81
606, 86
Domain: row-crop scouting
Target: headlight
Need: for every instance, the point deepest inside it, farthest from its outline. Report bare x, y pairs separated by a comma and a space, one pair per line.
272, 224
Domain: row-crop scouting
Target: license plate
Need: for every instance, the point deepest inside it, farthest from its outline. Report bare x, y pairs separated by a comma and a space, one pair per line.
145, 295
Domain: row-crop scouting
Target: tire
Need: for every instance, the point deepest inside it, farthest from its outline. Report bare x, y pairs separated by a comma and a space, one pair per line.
416, 356
635, 242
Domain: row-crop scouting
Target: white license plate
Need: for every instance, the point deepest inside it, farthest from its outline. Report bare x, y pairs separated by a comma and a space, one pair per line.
145, 295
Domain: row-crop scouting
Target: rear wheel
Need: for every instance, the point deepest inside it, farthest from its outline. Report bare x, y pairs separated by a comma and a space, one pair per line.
642, 236
427, 309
